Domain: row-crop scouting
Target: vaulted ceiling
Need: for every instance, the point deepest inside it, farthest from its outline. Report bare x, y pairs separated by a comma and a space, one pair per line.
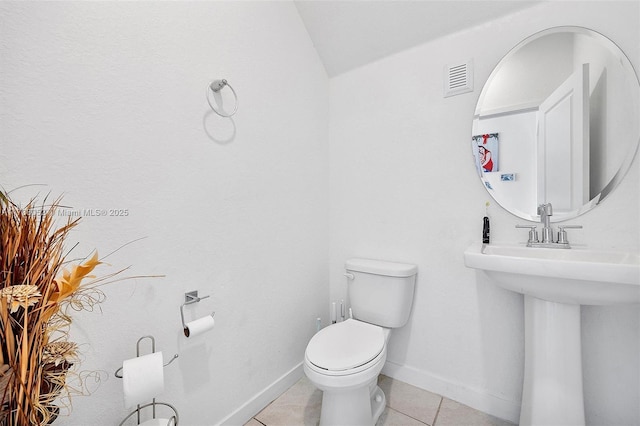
350, 33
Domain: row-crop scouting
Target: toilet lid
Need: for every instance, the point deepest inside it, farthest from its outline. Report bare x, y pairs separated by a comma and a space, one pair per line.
345, 345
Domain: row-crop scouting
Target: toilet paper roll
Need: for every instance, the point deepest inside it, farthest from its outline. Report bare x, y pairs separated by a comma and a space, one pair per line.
142, 379
199, 326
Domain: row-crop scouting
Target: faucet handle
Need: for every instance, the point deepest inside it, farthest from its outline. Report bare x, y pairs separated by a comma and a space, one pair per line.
546, 209
562, 234
533, 233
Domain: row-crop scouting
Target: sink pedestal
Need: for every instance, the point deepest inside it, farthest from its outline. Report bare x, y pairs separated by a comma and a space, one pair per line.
554, 284
552, 391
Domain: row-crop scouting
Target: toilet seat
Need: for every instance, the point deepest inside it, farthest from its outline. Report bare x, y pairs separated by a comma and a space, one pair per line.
344, 347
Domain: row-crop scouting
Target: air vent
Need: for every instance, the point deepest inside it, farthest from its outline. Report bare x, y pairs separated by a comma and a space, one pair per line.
458, 78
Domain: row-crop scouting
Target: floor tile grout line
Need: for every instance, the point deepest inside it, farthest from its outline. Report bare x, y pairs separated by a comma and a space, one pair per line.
435, 419
407, 415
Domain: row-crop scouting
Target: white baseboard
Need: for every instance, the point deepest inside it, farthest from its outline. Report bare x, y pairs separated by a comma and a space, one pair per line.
475, 398
260, 400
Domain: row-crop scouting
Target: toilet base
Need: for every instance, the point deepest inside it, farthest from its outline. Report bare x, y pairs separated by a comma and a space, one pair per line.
360, 406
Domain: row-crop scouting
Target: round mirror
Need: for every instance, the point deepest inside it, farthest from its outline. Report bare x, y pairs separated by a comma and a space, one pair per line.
557, 122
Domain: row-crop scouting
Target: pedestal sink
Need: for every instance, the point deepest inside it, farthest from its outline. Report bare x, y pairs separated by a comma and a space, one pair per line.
555, 282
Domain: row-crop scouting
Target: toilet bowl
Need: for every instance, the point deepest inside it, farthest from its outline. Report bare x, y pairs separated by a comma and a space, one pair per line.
344, 361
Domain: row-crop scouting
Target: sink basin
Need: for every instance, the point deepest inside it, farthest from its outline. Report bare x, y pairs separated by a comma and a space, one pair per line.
574, 276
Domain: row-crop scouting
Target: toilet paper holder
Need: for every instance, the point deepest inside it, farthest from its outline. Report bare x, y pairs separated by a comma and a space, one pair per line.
118, 372
173, 420
190, 298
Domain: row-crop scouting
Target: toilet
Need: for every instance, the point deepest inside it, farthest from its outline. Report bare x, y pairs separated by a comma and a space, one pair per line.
344, 359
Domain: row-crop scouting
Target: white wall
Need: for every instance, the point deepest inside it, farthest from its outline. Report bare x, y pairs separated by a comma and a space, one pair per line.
403, 187
104, 102
517, 134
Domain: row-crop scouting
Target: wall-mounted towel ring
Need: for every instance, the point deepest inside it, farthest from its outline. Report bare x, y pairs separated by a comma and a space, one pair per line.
215, 87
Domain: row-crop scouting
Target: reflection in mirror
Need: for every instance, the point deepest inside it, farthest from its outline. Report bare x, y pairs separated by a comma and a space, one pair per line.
557, 122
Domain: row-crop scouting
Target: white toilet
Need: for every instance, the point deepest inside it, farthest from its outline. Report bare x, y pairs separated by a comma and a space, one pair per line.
344, 359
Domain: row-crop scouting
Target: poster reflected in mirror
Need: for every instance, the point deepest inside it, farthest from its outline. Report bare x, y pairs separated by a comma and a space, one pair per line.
485, 151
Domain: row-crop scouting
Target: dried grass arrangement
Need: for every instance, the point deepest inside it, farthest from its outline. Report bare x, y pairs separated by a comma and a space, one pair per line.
37, 290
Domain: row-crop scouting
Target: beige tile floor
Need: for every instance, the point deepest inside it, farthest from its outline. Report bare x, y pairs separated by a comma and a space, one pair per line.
406, 406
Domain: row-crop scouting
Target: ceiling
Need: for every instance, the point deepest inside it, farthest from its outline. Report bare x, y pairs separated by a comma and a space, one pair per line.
350, 33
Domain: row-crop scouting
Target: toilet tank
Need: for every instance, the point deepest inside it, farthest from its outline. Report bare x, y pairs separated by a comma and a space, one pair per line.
381, 292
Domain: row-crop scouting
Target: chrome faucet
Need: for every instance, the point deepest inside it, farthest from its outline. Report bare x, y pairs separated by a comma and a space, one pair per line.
546, 211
